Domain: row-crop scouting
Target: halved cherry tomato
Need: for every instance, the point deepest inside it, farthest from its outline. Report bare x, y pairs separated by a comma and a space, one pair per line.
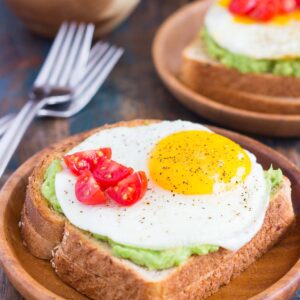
262, 10
108, 173
87, 189
287, 6
80, 161
265, 10
129, 190
242, 7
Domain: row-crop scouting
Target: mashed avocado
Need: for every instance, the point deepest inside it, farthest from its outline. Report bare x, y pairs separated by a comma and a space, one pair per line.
156, 259
245, 64
48, 187
152, 259
273, 178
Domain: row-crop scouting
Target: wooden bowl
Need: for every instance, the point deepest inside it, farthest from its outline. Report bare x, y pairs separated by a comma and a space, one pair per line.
172, 37
44, 17
275, 276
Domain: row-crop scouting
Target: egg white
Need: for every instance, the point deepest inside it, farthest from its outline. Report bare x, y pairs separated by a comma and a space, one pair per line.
163, 220
256, 40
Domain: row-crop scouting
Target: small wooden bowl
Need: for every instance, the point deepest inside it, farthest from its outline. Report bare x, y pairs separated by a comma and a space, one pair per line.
275, 276
45, 16
268, 115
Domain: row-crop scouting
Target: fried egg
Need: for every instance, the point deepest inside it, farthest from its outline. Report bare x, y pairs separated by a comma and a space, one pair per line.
202, 189
277, 39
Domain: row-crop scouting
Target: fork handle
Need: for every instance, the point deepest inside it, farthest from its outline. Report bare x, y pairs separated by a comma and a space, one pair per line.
16, 131
5, 122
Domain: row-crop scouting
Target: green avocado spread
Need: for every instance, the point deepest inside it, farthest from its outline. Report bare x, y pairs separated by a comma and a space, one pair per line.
152, 259
48, 186
156, 259
245, 64
273, 178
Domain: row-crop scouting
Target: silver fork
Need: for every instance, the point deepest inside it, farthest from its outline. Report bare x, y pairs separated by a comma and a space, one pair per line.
102, 59
58, 76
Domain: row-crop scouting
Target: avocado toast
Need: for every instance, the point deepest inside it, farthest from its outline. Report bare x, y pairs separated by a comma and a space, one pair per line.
221, 63
90, 266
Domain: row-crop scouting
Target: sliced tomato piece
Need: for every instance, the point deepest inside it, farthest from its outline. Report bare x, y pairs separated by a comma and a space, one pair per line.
129, 190
265, 10
80, 161
87, 189
108, 173
242, 7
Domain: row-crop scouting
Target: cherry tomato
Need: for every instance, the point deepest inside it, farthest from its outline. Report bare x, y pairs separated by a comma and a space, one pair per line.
287, 6
87, 189
265, 10
108, 173
83, 160
129, 190
242, 7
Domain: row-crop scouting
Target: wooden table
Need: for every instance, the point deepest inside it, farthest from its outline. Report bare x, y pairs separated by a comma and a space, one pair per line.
132, 91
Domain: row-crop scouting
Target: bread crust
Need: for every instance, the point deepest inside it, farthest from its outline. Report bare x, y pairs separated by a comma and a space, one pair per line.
89, 266
36, 244
207, 76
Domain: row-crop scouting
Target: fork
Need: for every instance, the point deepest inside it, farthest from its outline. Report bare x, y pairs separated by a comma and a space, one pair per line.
59, 74
102, 59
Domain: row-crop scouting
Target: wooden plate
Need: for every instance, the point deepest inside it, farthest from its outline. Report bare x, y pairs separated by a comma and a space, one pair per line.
275, 276
257, 103
174, 34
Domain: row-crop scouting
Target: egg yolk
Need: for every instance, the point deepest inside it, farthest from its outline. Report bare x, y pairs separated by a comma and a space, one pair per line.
191, 162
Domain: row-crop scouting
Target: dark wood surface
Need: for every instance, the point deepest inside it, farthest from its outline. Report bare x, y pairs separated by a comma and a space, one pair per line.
132, 91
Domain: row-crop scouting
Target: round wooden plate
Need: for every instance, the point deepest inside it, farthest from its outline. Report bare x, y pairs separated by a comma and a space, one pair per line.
275, 276
172, 37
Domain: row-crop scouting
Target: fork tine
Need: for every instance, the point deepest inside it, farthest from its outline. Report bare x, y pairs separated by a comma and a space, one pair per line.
106, 61
100, 72
50, 60
63, 79
97, 51
83, 54
99, 60
62, 56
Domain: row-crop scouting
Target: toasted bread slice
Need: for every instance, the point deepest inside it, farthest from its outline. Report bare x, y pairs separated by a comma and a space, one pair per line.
209, 77
91, 268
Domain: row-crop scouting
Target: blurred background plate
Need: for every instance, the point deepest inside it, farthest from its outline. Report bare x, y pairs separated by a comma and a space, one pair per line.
45, 16
275, 117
